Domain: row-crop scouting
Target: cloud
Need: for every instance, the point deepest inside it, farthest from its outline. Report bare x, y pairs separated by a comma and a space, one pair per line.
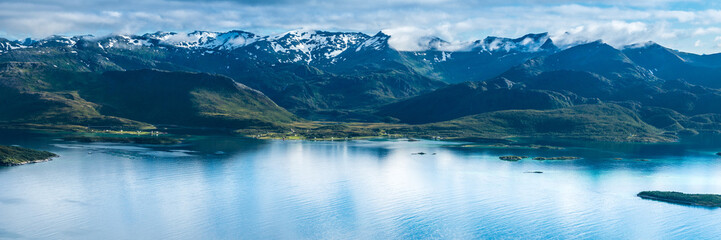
408, 21
717, 40
706, 31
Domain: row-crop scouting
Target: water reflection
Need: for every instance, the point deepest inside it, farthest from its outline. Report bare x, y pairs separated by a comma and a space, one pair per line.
229, 187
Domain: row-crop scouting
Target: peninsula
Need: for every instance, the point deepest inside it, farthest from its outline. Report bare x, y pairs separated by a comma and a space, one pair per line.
12, 156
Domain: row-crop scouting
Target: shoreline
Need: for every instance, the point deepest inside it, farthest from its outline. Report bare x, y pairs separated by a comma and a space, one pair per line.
15, 156
29, 162
331, 131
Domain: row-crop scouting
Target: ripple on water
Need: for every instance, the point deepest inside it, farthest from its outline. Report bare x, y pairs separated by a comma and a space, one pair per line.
347, 190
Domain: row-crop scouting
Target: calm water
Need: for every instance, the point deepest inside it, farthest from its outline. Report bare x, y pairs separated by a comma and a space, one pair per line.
227, 187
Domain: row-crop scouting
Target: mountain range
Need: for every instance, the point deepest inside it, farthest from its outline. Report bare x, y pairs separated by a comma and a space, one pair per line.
238, 79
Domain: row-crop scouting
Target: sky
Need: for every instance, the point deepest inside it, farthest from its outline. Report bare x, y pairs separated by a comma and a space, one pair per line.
689, 25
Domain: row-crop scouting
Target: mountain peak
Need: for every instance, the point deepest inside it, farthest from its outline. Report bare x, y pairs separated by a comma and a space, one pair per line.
593, 48
652, 55
642, 45
598, 44
381, 34
204, 39
533, 42
377, 42
293, 34
532, 38
433, 43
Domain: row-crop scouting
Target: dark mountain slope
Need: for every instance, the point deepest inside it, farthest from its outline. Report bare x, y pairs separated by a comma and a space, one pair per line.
673, 65
596, 57
484, 60
35, 93
192, 99
588, 73
29, 95
604, 122
475, 97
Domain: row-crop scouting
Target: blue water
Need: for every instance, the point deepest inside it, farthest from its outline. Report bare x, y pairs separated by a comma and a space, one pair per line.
235, 188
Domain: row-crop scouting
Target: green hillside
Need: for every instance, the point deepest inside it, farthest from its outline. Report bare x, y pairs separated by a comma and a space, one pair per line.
34, 93
193, 99
12, 155
600, 122
473, 98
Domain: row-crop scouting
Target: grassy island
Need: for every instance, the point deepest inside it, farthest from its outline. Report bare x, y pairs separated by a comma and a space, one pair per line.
703, 200
12, 156
519, 158
512, 158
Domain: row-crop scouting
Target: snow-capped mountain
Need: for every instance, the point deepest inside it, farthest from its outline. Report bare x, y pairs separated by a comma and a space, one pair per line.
527, 43
7, 45
58, 41
307, 46
377, 43
197, 40
205, 40
339, 75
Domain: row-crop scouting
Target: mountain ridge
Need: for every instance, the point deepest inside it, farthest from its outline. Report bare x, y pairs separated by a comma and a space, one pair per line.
354, 77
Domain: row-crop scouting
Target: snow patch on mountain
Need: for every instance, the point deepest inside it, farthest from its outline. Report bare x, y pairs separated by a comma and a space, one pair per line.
527, 43
310, 45
59, 41
294, 46
7, 45
205, 40
377, 42
431, 43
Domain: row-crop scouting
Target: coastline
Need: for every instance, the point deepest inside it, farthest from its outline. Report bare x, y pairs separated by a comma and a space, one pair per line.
28, 162
15, 156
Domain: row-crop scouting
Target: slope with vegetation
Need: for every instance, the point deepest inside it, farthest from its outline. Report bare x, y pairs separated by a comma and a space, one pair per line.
12, 156
37, 94
583, 74
495, 87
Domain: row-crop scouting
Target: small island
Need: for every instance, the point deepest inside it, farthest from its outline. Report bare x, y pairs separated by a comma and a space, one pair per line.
512, 158
555, 158
703, 200
13, 156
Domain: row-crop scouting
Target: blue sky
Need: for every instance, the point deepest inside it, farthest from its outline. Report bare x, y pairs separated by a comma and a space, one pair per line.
693, 26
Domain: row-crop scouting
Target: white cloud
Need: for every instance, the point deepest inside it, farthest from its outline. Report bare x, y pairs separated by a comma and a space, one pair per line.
407, 38
680, 16
706, 31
